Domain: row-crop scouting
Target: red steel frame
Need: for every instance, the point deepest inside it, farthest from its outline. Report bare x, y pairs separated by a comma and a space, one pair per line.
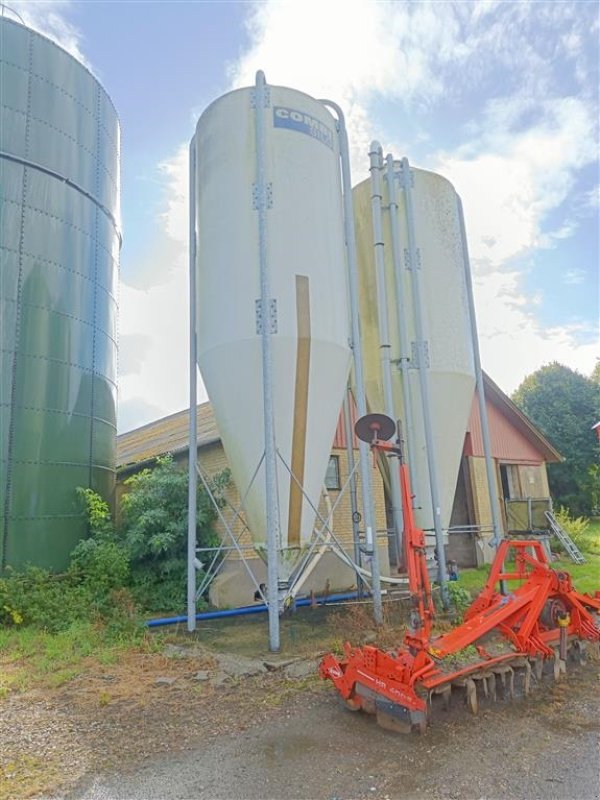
404, 676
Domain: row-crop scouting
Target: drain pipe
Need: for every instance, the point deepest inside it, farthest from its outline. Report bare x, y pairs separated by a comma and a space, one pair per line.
257, 609
485, 428
414, 266
376, 165
361, 401
193, 420
409, 425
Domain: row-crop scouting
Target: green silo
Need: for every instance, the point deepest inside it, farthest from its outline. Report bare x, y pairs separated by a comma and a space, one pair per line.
59, 252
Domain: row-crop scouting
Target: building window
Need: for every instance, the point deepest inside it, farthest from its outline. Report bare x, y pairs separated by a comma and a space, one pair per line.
332, 476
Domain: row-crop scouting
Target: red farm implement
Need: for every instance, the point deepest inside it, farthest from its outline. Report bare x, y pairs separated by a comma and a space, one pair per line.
536, 621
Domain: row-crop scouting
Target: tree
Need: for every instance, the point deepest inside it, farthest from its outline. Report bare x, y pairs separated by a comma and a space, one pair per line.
564, 406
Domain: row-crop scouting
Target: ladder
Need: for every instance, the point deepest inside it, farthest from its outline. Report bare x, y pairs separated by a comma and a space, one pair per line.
563, 537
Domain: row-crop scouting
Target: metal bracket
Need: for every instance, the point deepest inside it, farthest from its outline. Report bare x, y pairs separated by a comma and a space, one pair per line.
272, 316
406, 180
266, 95
407, 261
419, 353
256, 196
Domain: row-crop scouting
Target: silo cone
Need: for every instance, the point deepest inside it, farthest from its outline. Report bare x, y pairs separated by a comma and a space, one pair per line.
449, 357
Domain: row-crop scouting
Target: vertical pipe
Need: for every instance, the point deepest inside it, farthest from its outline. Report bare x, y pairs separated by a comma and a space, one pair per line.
424, 381
361, 401
485, 428
376, 165
349, 434
273, 532
409, 426
193, 435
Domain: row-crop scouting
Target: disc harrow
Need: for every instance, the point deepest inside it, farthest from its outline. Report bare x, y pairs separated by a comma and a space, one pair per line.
508, 638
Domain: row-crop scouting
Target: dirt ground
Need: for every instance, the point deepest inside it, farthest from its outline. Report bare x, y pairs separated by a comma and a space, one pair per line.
198, 723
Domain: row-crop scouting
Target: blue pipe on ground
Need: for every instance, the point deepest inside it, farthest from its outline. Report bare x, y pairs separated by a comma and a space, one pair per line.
238, 612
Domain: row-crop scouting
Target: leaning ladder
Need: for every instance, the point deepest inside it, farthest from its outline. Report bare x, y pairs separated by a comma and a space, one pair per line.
563, 537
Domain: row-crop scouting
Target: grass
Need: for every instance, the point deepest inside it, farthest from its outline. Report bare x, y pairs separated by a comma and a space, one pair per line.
30, 658
586, 577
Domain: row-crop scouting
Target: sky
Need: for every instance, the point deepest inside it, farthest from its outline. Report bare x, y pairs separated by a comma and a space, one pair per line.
499, 97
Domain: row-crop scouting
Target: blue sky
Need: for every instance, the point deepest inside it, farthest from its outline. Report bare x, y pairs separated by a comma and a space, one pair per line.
500, 97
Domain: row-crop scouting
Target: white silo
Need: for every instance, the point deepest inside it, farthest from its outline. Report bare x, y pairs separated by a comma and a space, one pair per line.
445, 348
302, 239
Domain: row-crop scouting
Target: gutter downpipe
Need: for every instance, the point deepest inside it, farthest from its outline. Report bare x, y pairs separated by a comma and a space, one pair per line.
257, 609
273, 532
409, 428
414, 267
193, 422
375, 167
483, 416
361, 402
349, 434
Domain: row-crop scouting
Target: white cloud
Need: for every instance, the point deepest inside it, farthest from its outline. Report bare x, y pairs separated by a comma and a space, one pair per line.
48, 18
509, 180
513, 343
574, 276
154, 320
522, 150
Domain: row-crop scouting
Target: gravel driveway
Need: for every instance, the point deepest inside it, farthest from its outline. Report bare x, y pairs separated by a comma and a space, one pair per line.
545, 746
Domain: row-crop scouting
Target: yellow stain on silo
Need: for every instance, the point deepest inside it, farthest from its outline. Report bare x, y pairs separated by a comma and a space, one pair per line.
300, 409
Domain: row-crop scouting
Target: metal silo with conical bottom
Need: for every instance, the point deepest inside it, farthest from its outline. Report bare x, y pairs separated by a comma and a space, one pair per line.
59, 249
430, 242
307, 311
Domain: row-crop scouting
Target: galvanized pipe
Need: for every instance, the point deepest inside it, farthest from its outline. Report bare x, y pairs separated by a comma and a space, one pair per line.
361, 401
376, 165
349, 433
424, 381
272, 500
404, 341
485, 428
193, 422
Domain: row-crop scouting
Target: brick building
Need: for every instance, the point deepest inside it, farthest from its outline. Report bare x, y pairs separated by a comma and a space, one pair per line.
519, 450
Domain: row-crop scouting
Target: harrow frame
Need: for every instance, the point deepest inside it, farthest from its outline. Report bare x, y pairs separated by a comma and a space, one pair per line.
533, 622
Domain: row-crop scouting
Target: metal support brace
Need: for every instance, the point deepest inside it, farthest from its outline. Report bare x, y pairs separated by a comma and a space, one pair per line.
192, 434
273, 530
485, 428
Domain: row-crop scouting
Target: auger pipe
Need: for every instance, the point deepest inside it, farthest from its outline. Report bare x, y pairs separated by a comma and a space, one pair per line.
376, 165
257, 609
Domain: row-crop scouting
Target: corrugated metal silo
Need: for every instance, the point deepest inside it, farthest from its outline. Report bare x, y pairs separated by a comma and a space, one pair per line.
59, 246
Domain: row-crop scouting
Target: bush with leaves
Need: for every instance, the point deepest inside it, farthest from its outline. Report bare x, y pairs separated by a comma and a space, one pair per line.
576, 527
101, 561
459, 596
154, 531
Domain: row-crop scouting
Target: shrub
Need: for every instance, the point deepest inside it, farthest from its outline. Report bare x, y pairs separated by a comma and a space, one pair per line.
154, 531
459, 596
576, 527
35, 596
